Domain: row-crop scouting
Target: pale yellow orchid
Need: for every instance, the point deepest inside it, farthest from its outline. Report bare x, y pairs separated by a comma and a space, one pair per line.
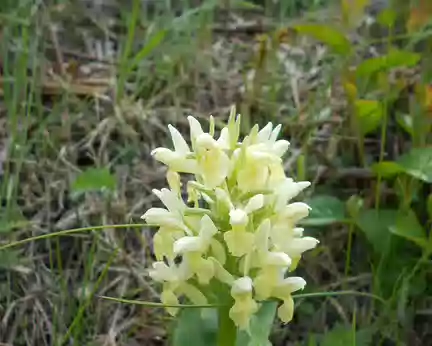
242, 229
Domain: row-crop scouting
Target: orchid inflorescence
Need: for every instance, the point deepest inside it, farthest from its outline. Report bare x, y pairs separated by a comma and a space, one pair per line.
237, 229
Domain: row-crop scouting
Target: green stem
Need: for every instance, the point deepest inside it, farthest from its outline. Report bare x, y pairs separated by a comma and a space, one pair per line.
349, 247
227, 333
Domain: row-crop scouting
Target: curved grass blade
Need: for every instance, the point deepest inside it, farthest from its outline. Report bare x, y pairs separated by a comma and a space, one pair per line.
295, 296
68, 232
159, 305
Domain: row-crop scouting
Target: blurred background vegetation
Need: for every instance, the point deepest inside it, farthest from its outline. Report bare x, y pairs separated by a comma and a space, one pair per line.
87, 88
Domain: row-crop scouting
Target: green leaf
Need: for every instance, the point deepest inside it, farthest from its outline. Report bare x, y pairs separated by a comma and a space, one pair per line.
9, 258
94, 179
6, 227
342, 335
369, 114
418, 163
387, 17
12, 218
260, 328
395, 58
429, 206
328, 35
387, 169
405, 121
408, 226
326, 210
354, 205
375, 225
148, 48
196, 327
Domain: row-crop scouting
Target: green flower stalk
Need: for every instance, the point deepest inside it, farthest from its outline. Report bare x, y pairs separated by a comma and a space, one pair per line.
236, 236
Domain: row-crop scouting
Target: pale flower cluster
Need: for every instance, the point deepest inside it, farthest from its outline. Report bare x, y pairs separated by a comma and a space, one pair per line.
237, 232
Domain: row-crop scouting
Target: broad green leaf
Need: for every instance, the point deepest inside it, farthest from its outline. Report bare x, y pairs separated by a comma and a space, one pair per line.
408, 226
325, 210
369, 115
418, 163
260, 328
375, 225
387, 169
395, 58
94, 179
196, 327
328, 35
342, 335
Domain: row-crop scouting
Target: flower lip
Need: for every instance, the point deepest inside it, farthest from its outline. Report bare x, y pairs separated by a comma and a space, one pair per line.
278, 259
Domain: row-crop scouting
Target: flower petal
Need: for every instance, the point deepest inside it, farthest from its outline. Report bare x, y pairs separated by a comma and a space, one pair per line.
169, 298
218, 251
280, 147
214, 166
262, 236
242, 285
280, 259
288, 190
255, 203
173, 179
161, 216
193, 294
208, 228
161, 272
205, 271
188, 244
275, 133
195, 128
296, 211
298, 232
164, 155
238, 217
264, 133
244, 306
286, 310
170, 199
239, 242
175, 161
221, 273
299, 245
224, 139
179, 142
